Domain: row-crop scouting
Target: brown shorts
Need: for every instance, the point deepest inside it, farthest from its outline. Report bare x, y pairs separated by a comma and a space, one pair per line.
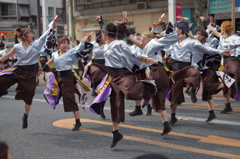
67, 86
187, 75
124, 85
210, 83
161, 78
26, 81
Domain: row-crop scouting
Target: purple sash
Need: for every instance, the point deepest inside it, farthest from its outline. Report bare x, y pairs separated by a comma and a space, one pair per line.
49, 93
7, 71
101, 97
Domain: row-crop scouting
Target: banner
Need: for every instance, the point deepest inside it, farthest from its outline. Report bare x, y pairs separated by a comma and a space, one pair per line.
178, 11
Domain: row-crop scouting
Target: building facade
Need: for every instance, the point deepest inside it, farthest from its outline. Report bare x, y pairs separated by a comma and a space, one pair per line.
141, 13
23, 13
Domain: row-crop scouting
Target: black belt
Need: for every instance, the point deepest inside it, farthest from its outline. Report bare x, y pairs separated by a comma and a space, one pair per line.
231, 58
113, 71
28, 67
155, 65
99, 61
180, 65
63, 73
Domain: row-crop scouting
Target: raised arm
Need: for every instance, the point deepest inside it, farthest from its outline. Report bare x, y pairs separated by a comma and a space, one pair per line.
214, 31
10, 53
39, 43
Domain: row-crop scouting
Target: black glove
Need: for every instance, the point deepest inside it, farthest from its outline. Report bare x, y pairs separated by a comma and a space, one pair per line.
88, 49
46, 68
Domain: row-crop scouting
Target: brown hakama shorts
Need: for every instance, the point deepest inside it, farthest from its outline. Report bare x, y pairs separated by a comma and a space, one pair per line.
187, 75
210, 83
67, 87
162, 82
96, 72
26, 81
124, 85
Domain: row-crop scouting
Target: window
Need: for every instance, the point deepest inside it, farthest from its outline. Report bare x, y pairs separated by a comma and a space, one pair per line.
97, 5
8, 11
51, 12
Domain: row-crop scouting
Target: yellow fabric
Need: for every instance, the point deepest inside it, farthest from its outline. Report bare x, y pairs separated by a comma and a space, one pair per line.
166, 68
220, 68
85, 87
55, 89
89, 64
109, 79
6, 70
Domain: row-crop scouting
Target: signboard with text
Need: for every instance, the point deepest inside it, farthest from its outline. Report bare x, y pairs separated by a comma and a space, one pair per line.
220, 6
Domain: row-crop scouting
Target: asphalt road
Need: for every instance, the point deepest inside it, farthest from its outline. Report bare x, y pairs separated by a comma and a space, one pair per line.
49, 136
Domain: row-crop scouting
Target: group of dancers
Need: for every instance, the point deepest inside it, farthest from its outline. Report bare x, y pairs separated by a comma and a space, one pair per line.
118, 71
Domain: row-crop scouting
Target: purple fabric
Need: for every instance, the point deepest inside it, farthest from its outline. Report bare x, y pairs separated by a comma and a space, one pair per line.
237, 96
87, 76
102, 82
52, 100
7, 72
95, 106
168, 96
145, 102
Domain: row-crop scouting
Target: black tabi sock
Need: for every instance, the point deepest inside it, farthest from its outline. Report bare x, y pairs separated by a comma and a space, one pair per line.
173, 115
138, 107
77, 121
211, 112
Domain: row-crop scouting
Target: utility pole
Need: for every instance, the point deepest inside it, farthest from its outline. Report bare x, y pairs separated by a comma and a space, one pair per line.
44, 15
172, 11
233, 14
70, 19
39, 29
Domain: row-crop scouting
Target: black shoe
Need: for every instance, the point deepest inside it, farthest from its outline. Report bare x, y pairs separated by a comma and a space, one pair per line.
226, 110
172, 122
25, 122
210, 118
76, 127
167, 129
102, 116
116, 138
136, 112
2, 93
193, 95
149, 110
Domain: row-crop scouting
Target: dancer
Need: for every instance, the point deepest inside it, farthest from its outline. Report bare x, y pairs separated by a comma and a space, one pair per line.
25, 69
231, 63
151, 47
120, 61
185, 55
210, 82
63, 60
140, 74
96, 69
